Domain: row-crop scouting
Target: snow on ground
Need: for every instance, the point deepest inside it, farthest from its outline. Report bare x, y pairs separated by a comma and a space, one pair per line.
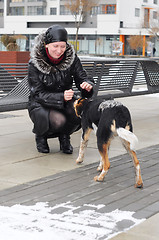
63, 221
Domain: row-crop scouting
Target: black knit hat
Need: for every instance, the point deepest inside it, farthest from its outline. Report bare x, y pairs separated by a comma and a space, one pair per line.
55, 33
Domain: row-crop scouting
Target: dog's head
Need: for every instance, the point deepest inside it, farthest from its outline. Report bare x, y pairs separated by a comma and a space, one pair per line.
79, 105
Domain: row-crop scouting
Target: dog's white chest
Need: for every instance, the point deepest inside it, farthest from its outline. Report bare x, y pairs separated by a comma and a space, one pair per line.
94, 128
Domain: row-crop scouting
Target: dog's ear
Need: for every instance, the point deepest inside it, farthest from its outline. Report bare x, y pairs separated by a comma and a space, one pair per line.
78, 106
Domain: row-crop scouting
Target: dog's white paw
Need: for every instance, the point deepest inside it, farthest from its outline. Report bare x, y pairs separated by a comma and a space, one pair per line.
99, 168
79, 160
99, 178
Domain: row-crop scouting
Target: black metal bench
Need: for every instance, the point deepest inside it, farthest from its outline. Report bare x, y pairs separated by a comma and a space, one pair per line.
113, 78
10, 75
7, 81
127, 78
17, 98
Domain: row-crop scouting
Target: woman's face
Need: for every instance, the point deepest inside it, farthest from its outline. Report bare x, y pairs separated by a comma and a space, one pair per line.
56, 49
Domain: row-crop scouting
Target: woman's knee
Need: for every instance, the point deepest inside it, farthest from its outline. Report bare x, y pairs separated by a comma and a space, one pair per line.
57, 119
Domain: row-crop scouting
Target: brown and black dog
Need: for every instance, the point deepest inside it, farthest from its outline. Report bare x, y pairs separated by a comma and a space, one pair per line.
109, 118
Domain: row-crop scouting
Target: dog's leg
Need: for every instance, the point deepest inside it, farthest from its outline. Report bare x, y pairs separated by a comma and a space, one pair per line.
139, 182
100, 167
105, 162
83, 145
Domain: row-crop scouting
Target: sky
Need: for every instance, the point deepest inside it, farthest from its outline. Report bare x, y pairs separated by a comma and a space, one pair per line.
63, 221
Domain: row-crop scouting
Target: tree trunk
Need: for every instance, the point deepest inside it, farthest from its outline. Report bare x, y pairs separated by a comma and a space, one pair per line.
77, 29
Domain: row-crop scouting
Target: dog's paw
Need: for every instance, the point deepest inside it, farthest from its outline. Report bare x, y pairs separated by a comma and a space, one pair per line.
139, 182
98, 178
139, 185
79, 160
99, 168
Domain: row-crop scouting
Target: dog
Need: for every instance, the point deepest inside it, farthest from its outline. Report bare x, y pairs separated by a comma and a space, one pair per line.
109, 118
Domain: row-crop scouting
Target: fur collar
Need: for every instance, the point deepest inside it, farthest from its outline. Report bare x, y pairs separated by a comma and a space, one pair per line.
40, 61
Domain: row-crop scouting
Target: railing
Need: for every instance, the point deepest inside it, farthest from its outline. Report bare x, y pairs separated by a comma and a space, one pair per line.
113, 78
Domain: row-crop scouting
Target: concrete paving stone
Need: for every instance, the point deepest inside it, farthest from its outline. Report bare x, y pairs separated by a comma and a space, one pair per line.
152, 180
127, 202
121, 225
141, 203
37, 193
143, 213
153, 207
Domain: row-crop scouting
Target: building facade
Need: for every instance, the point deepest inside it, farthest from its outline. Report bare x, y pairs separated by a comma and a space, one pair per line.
105, 29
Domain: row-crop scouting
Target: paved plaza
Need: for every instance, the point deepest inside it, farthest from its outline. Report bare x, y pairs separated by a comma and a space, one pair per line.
75, 206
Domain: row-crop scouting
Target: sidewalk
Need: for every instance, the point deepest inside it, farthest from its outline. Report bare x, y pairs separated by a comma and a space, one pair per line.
20, 163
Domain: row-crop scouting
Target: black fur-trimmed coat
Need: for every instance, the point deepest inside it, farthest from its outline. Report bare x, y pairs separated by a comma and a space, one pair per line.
48, 82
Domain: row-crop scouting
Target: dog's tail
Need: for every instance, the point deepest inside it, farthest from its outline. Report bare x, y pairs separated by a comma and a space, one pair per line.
128, 136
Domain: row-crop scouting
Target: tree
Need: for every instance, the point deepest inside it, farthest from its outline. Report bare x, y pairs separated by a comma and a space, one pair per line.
136, 42
10, 41
79, 9
154, 27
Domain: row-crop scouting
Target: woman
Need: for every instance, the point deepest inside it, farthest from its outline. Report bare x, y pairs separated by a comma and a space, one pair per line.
52, 69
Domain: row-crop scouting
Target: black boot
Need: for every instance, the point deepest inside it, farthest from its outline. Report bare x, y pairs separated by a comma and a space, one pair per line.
41, 144
65, 145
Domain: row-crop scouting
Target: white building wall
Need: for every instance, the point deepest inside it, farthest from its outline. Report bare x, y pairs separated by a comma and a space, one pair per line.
127, 13
52, 4
131, 23
107, 24
18, 24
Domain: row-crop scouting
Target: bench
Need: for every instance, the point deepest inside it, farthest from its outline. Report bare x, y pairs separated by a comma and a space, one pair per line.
7, 81
113, 79
127, 78
17, 98
10, 75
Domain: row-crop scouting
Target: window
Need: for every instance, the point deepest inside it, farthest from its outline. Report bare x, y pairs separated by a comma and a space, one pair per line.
146, 17
40, 11
111, 9
16, 11
53, 11
94, 10
36, 10
108, 9
35, 0
121, 24
64, 10
1, 12
16, 1
154, 15
137, 12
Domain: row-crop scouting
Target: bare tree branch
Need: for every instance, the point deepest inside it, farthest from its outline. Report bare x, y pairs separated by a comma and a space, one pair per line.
79, 9
136, 42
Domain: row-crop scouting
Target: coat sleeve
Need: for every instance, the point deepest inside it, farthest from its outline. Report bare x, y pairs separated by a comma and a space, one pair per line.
80, 76
39, 93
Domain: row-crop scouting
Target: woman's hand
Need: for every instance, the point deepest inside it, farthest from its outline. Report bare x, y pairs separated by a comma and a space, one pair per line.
68, 94
86, 86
